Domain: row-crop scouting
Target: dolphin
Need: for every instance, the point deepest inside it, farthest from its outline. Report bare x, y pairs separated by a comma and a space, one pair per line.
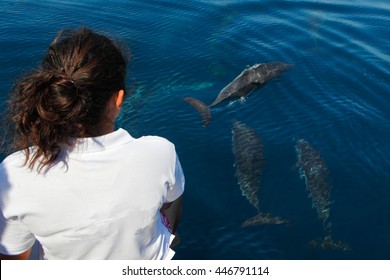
264, 218
249, 160
244, 84
329, 243
313, 170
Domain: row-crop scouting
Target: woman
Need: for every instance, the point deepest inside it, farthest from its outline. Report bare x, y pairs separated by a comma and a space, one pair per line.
81, 188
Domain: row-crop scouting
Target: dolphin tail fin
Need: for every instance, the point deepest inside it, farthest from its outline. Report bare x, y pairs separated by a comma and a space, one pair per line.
264, 218
329, 243
202, 108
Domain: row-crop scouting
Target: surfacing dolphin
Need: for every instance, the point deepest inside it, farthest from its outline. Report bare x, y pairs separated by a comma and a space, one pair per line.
313, 170
249, 159
249, 80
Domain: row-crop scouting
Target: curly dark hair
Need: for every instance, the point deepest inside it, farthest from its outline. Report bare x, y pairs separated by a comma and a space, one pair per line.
66, 97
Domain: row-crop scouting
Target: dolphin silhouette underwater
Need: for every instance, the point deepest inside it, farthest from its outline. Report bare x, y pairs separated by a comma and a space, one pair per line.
313, 170
244, 84
249, 159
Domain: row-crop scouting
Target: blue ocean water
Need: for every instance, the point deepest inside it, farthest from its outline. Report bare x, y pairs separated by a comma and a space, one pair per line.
336, 96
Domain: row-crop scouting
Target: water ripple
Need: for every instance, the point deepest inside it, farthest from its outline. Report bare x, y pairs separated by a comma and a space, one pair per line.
336, 96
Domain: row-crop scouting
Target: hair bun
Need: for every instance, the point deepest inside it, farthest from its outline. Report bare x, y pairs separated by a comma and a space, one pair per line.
67, 96
60, 101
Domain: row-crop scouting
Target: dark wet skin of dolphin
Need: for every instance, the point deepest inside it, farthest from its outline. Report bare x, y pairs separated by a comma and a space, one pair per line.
313, 169
329, 243
265, 218
251, 79
249, 161
244, 84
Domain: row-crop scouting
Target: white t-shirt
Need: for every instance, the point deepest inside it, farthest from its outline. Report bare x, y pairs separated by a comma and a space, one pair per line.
100, 200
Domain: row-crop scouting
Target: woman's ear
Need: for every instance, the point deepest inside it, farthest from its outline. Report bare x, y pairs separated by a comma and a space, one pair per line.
120, 96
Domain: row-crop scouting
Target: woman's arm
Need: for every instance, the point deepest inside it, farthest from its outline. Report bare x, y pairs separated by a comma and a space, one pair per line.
173, 212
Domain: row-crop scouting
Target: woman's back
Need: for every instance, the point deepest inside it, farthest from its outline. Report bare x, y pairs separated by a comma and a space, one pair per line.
81, 188
100, 201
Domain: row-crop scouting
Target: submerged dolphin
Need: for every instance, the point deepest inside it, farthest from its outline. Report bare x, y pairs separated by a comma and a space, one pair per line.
329, 243
249, 160
313, 169
249, 80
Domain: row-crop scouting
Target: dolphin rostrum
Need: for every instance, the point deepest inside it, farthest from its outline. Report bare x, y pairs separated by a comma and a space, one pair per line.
249, 160
313, 169
249, 80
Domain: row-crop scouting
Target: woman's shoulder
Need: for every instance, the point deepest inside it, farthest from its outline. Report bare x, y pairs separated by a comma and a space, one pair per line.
151, 144
125, 134
155, 139
16, 158
14, 164
155, 144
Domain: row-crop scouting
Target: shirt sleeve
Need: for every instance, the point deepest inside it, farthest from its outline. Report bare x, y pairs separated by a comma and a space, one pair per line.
176, 189
15, 238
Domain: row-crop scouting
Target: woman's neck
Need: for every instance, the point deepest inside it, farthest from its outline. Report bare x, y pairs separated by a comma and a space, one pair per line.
104, 128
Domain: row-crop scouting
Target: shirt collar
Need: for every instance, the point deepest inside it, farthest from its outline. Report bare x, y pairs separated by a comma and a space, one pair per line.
103, 142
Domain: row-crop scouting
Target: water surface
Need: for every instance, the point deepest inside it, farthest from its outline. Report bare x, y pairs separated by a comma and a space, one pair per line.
336, 97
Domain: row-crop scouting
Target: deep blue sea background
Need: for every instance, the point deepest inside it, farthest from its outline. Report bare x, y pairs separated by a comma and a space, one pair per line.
337, 96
